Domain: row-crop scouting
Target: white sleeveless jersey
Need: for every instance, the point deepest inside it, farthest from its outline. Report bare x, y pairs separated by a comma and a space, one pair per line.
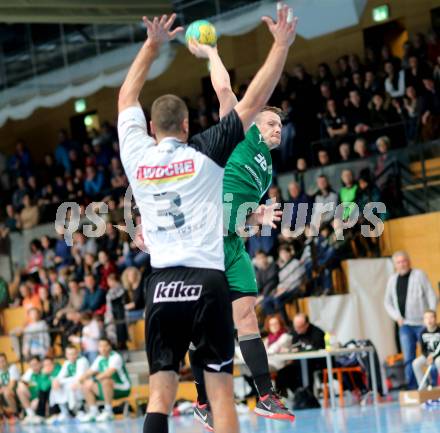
178, 189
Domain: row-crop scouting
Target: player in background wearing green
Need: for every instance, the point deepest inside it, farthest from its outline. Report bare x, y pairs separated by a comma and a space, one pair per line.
106, 379
248, 175
9, 377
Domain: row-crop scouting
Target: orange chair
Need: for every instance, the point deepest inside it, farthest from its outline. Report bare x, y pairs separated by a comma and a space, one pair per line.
339, 372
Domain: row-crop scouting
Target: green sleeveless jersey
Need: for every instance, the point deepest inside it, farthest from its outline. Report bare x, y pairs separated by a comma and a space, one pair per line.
248, 175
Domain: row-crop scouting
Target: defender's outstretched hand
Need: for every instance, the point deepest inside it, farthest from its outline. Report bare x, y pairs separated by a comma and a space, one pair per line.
158, 30
201, 51
284, 30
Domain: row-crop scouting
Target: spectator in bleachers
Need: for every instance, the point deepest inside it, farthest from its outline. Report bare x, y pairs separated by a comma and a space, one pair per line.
345, 154
75, 301
106, 379
48, 251
430, 111
323, 158
93, 183
59, 301
381, 114
27, 391
36, 339
324, 196
334, 123
408, 295
305, 337
131, 280
410, 112
301, 205
66, 388
266, 273
12, 222
29, 214
299, 173
19, 192
358, 115
29, 299
116, 328
415, 73
372, 84
63, 254
368, 192
94, 297
360, 148
394, 81
430, 345
46, 304
348, 193
106, 267
36, 260
91, 332
9, 377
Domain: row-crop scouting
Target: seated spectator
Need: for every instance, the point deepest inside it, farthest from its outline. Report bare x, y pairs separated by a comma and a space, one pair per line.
28, 389
9, 377
394, 81
19, 192
59, 302
48, 251
360, 148
74, 303
300, 171
132, 279
66, 388
94, 298
278, 340
430, 111
345, 152
301, 205
90, 334
334, 123
36, 339
358, 115
36, 260
325, 196
367, 193
383, 160
114, 319
323, 158
106, 379
305, 337
372, 85
106, 268
410, 112
63, 255
430, 344
29, 215
82, 246
381, 114
415, 73
12, 221
29, 299
290, 275
46, 304
408, 295
348, 193
94, 182
266, 272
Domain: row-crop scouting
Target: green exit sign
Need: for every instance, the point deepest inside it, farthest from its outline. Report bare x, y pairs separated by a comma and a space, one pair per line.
381, 13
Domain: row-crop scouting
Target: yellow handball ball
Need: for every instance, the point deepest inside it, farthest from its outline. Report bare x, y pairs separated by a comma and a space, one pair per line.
203, 32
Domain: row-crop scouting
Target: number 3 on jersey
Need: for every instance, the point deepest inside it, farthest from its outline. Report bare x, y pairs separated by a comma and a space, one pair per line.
171, 210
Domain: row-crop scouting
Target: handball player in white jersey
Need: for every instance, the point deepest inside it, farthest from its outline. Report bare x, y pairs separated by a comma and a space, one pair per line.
177, 185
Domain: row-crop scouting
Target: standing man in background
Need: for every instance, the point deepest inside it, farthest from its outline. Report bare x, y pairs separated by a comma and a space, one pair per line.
408, 295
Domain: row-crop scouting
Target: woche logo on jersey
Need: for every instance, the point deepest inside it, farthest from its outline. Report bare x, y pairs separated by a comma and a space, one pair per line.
165, 173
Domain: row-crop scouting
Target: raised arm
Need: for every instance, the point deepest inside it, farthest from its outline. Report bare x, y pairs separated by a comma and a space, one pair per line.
220, 79
158, 32
263, 84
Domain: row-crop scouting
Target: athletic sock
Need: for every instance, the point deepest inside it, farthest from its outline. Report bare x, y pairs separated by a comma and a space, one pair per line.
94, 410
108, 408
255, 356
156, 423
199, 379
30, 412
63, 409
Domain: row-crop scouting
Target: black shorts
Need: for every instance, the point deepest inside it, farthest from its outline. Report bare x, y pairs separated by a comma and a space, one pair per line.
189, 305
